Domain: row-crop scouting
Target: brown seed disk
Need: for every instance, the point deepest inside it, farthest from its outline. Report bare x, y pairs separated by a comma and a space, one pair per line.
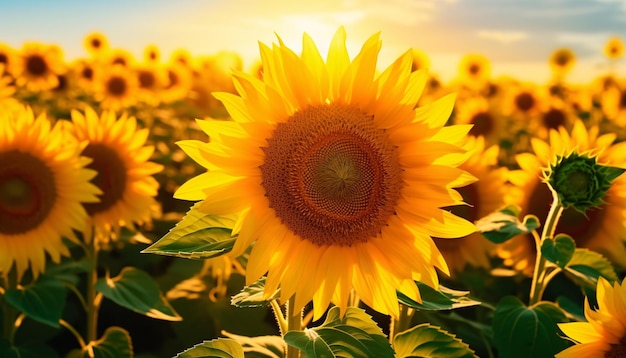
332, 177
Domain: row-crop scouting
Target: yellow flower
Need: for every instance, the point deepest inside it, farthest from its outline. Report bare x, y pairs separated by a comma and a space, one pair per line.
474, 71
178, 85
483, 197
43, 184
151, 78
121, 159
97, 45
421, 61
116, 88
562, 61
614, 48
484, 117
613, 104
152, 54
602, 227
38, 66
7, 57
604, 333
337, 177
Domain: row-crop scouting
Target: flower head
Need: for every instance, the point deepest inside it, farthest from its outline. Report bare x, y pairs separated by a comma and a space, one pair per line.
336, 175
580, 181
43, 186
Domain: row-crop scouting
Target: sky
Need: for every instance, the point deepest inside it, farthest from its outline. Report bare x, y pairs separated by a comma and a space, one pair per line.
517, 36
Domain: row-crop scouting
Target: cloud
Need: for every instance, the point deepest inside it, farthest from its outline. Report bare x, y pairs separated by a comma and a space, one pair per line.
505, 37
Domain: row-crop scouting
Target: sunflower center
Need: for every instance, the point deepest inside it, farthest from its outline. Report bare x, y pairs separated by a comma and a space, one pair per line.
553, 119
474, 69
116, 86
3, 58
483, 124
562, 59
36, 65
87, 73
95, 43
146, 79
111, 177
27, 192
524, 101
331, 176
622, 100
617, 350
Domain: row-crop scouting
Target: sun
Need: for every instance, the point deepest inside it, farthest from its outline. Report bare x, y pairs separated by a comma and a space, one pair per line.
338, 179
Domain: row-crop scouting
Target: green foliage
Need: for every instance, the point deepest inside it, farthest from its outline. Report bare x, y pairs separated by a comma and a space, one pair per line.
354, 335
218, 348
29, 351
197, 236
521, 331
115, 343
137, 291
586, 266
252, 296
428, 341
261, 346
559, 250
43, 300
437, 300
504, 224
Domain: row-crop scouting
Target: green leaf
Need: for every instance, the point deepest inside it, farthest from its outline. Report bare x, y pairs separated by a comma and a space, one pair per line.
354, 335
504, 224
115, 343
197, 236
252, 296
217, 348
586, 266
42, 300
438, 300
137, 291
521, 331
429, 341
30, 351
559, 250
260, 346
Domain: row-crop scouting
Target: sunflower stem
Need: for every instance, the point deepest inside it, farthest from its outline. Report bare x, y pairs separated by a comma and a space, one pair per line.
294, 323
90, 297
539, 274
280, 318
402, 323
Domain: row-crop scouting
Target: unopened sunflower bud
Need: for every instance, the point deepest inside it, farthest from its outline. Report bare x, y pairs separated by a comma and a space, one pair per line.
580, 181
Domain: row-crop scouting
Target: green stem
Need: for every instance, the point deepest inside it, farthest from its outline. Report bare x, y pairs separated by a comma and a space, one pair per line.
90, 296
538, 282
294, 323
280, 318
402, 323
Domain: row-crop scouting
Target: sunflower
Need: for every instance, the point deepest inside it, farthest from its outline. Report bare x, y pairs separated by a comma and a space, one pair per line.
85, 72
178, 85
97, 45
120, 57
613, 104
38, 66
116, 88
335, 174
152, 54
474, 71
151, 78
181, 57
121, 159
561, 62
484, 117
599, 229
483, 197
421, 61
43, 184
7, 57
614, 48
556, 113
604, 333
524, 101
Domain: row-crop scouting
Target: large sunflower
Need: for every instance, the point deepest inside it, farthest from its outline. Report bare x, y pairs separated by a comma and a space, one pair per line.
604, 333
121, 158
600, 229
43, 184
335, 174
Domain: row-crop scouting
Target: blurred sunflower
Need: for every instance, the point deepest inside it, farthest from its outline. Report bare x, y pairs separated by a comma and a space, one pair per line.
37, 67
178, 85
43, 184
116, 87
85, 72
483, 197
121, 159
151, 78
474, 71
555, 114
561, 62
599, 229
152, 54
181, 57
97, 45
336, 176
604, 333
523, 101
121, 57
613, 104
614, 48
7, 57
484, 118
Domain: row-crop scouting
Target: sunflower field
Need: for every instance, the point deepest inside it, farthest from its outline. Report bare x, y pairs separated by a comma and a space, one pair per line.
313, 204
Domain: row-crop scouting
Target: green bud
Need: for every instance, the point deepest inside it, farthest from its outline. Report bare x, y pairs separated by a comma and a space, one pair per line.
580, 181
